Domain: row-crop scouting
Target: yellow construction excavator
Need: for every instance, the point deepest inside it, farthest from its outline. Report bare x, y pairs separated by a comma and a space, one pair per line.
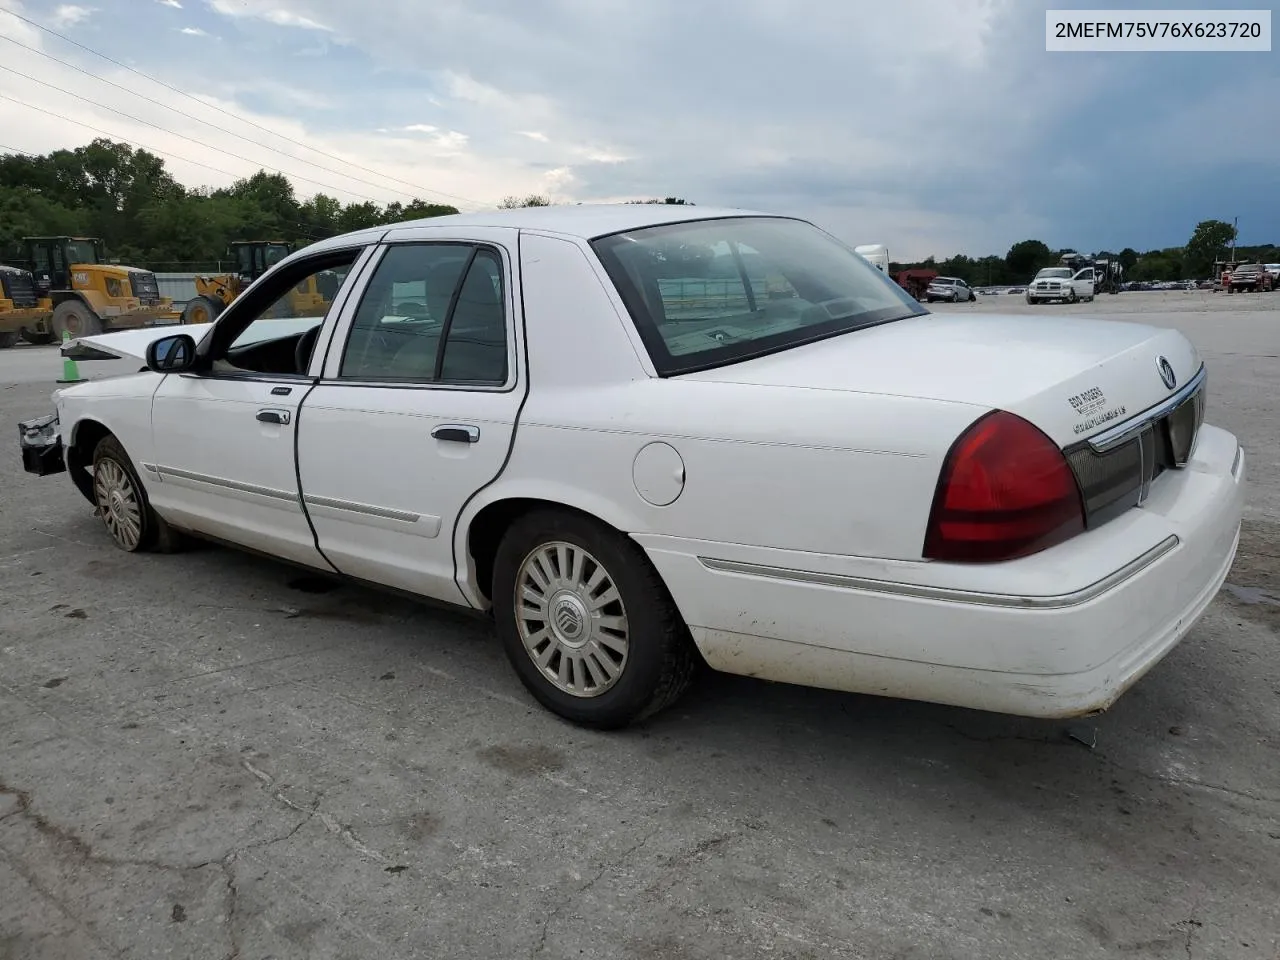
253, 258
79, 294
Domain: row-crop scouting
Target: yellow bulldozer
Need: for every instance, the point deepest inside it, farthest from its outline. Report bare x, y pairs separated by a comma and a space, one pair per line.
22, 317
252, 259
79, 294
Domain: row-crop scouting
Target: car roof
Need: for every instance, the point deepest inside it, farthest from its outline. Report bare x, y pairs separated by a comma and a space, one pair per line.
585, 220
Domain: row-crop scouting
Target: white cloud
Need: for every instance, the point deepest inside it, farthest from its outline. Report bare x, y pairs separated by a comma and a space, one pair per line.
193, 32
930, 125
271, 12
170, 3
68, 15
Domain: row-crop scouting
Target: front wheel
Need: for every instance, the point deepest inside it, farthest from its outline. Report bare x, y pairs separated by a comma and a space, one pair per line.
8, 338
201, 310
1031, 301
586, 622
122, 503
73, 318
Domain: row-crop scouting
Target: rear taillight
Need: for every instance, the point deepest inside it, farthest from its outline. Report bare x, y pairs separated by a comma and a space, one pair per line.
1006, 491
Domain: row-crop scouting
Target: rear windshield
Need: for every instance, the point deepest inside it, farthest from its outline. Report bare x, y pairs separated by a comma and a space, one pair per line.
712, 292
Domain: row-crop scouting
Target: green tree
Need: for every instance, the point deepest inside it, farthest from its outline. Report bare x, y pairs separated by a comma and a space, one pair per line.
1026, 257
1207, 244
533, 200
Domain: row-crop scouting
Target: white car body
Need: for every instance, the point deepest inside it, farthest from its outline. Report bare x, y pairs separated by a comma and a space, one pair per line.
952, 289
783, 500
1061, 283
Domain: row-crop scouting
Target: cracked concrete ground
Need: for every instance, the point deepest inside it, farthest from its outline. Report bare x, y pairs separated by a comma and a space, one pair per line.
200, 758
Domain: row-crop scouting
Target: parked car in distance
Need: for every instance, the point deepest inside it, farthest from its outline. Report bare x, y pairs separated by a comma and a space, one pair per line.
1061, 283
952, 289
1251, 277
794, 471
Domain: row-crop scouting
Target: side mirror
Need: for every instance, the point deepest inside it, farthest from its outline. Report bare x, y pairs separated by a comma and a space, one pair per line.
171, 354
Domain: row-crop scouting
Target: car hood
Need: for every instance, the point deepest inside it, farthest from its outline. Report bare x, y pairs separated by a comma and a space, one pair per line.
1072, 377
132, 344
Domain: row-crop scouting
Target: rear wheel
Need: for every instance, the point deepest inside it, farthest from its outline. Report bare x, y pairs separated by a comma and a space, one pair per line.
74, 318
122, 503
586, 621
201, 310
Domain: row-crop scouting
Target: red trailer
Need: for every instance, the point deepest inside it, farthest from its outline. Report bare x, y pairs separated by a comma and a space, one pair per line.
915, 282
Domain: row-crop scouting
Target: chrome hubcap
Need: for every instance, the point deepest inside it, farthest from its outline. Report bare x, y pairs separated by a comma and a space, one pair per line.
117, 503
571, 619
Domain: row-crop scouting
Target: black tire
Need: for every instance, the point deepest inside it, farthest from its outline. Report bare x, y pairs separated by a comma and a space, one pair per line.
201, 310
8, 338
74, 318
111, 463
37, 339
661, 658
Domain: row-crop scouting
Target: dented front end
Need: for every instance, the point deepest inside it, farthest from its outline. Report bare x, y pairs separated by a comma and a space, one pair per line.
40, 441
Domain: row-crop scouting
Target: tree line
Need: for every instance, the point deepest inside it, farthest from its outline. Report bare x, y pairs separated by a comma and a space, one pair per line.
1210, 242
146, 218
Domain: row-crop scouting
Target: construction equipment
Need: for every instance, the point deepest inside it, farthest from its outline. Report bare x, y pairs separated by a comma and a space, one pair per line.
21, 314
253, 258
86, 295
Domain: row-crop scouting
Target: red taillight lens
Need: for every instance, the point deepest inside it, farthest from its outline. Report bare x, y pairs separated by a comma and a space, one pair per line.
1006, 491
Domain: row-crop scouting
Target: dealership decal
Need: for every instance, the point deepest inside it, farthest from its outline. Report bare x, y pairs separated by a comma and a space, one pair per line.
1088, 402
1115, 413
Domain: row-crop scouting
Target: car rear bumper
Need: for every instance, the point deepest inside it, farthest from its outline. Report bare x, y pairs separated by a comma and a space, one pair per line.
1062, 633
40, 444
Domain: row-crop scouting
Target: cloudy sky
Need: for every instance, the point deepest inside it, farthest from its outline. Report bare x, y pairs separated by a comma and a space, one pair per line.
934, 126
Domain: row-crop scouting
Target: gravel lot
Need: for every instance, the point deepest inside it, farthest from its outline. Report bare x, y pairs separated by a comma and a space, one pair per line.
200, 757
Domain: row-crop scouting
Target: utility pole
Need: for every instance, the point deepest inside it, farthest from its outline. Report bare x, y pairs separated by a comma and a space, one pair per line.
1235, 223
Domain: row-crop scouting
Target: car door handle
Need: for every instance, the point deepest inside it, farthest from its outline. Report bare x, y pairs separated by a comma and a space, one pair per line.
460, 433
274, 416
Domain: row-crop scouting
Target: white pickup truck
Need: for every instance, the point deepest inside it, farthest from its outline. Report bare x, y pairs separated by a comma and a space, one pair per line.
1061, 283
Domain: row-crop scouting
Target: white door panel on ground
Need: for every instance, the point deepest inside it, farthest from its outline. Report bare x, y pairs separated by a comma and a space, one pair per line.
223, 470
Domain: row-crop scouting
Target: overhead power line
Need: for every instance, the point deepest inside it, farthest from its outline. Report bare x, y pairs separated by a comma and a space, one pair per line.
221, 129
108, 133
183, 136
236, 117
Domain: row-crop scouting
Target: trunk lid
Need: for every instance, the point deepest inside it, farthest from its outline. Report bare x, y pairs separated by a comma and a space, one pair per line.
1072, 377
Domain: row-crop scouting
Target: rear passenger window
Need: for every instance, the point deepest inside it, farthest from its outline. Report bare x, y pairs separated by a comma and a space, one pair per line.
431, 313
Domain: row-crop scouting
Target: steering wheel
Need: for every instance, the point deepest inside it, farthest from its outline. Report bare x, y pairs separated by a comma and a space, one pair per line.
302, 351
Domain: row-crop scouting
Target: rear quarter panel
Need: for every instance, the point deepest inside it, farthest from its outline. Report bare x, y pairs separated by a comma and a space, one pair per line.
803, 469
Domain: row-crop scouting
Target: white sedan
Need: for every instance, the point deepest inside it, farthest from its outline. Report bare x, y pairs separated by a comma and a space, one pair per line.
643, 437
